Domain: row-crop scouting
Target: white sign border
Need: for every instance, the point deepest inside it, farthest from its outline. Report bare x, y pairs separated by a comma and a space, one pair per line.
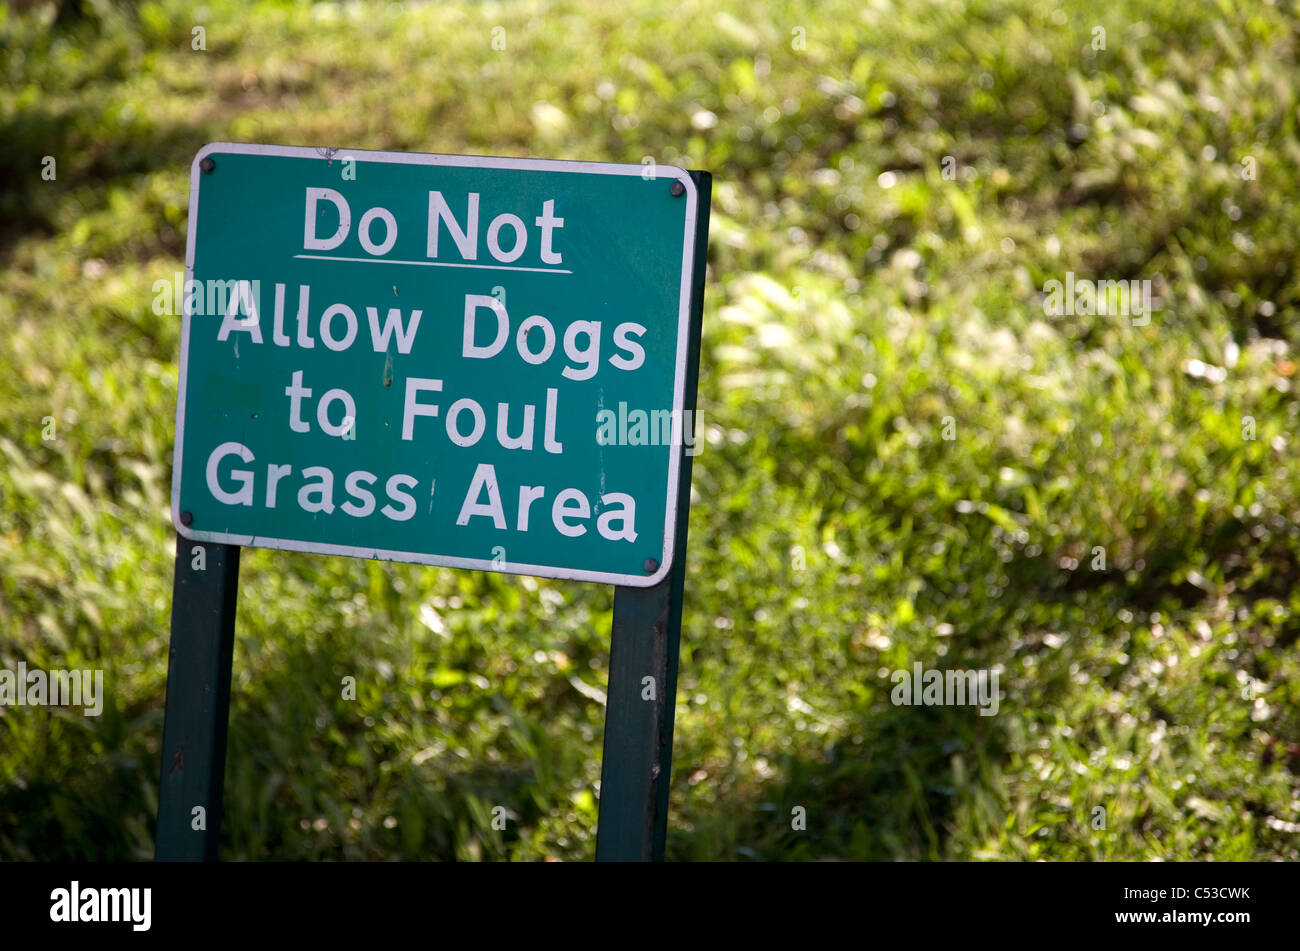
664, 172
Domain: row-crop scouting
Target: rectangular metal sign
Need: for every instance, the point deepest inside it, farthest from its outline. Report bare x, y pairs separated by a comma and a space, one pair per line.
450, 360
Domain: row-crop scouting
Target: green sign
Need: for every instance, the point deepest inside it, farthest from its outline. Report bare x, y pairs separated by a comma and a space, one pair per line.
450, 360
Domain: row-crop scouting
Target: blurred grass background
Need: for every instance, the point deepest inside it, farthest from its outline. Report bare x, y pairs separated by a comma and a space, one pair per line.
856, 300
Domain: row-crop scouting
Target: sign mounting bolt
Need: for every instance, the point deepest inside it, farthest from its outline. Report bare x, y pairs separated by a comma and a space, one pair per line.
651, 566
207, 165
677, 189
187, 518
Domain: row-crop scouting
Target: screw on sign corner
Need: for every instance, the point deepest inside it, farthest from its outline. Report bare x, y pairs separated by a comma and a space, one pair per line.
187, 518
651, 566
677, 189
207, 166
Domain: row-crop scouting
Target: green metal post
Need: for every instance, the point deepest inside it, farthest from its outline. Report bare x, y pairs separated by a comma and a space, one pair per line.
198, 701
645, 640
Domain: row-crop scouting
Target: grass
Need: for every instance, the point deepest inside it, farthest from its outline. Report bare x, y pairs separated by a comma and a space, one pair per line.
1111, 526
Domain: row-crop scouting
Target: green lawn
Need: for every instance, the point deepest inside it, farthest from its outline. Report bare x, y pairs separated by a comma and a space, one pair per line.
906, 458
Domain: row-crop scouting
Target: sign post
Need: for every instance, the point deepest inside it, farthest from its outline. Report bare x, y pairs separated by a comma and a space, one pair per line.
448, 360
198, 701
645, 641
